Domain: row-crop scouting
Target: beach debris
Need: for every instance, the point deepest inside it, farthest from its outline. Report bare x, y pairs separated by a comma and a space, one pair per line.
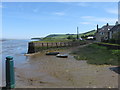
52, 53
97, 71
109, 87
94, 87
41, 82
90, 82
62, 55
113, 76
67, 70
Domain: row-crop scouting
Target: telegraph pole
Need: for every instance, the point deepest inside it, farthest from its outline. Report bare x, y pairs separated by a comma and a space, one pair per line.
77, 33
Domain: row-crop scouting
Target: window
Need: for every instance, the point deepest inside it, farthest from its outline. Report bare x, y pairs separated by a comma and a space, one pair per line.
101, 33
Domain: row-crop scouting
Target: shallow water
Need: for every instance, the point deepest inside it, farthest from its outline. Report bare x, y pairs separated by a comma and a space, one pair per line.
16, 49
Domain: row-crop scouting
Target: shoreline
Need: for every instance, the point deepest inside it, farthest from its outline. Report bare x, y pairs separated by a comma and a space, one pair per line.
43, 71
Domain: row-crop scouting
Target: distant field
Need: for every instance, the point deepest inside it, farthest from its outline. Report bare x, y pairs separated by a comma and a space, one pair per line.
64, 36
61, 36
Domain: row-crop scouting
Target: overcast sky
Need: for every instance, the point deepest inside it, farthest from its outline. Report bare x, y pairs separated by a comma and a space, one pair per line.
24, 20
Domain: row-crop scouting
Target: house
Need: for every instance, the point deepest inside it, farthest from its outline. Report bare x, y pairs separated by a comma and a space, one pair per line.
114, 31
107, 32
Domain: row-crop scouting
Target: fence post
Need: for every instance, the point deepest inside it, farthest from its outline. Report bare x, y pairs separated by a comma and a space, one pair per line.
56, 45
10, 77
47, 45
64, 44
31, 47
60, 44
42, 45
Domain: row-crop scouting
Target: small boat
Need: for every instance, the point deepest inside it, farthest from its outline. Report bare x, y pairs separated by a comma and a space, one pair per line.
52, 53
62, 55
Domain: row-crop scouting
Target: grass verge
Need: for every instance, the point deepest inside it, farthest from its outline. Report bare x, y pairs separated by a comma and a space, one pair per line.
99, 55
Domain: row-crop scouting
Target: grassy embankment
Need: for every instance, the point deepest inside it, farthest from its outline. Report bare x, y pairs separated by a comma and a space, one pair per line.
57, 37
99, 55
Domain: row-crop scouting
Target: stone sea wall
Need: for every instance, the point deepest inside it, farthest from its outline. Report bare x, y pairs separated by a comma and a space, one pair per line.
34, 47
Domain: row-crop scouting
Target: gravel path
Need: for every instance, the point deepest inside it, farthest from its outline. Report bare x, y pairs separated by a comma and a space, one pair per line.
51, 72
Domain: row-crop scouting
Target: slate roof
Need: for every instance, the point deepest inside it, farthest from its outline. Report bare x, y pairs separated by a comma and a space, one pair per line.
116, 28
105, 27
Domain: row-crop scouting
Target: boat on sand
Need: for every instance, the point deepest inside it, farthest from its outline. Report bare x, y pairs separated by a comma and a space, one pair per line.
62, 55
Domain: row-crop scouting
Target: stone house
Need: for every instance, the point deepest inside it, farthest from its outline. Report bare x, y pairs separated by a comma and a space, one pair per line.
114, 31
107, 32
102, 34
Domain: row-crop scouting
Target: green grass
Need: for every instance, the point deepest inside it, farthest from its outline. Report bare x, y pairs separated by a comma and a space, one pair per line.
109, 44
64, 36
52, 40
90, 32
98, 55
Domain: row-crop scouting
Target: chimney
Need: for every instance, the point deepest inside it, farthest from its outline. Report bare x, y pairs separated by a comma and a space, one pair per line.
116, 23
97, 27
107, 24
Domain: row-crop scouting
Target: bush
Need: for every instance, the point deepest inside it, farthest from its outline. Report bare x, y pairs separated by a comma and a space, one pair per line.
115, 38
70, 37
116, 52
112, 40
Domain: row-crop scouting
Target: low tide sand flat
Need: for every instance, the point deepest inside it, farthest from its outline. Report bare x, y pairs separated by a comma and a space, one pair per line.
52, 53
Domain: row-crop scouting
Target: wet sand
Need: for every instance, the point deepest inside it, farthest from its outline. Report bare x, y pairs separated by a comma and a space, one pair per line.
41, 71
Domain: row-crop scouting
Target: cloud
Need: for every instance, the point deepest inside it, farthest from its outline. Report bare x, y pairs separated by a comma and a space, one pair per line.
112, 11
59, 13
85, 23
99, 19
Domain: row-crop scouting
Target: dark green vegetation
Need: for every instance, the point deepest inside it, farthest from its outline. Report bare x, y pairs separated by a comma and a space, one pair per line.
116, 38
108, 43
99, 55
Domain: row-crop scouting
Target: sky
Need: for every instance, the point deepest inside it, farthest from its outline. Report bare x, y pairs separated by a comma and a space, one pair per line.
25, 20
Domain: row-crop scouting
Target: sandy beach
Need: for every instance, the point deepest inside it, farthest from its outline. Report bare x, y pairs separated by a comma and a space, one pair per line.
43, 71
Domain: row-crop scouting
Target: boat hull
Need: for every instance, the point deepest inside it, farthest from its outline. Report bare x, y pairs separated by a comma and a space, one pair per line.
62, 56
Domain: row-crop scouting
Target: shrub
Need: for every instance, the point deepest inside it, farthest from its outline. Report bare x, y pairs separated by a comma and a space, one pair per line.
116, 52
112, 40
70, 37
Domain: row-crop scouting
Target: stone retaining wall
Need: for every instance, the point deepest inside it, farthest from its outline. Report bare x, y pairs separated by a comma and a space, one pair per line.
38, 46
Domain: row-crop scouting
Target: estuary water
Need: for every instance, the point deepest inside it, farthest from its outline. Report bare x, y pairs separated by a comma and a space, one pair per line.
16, 49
